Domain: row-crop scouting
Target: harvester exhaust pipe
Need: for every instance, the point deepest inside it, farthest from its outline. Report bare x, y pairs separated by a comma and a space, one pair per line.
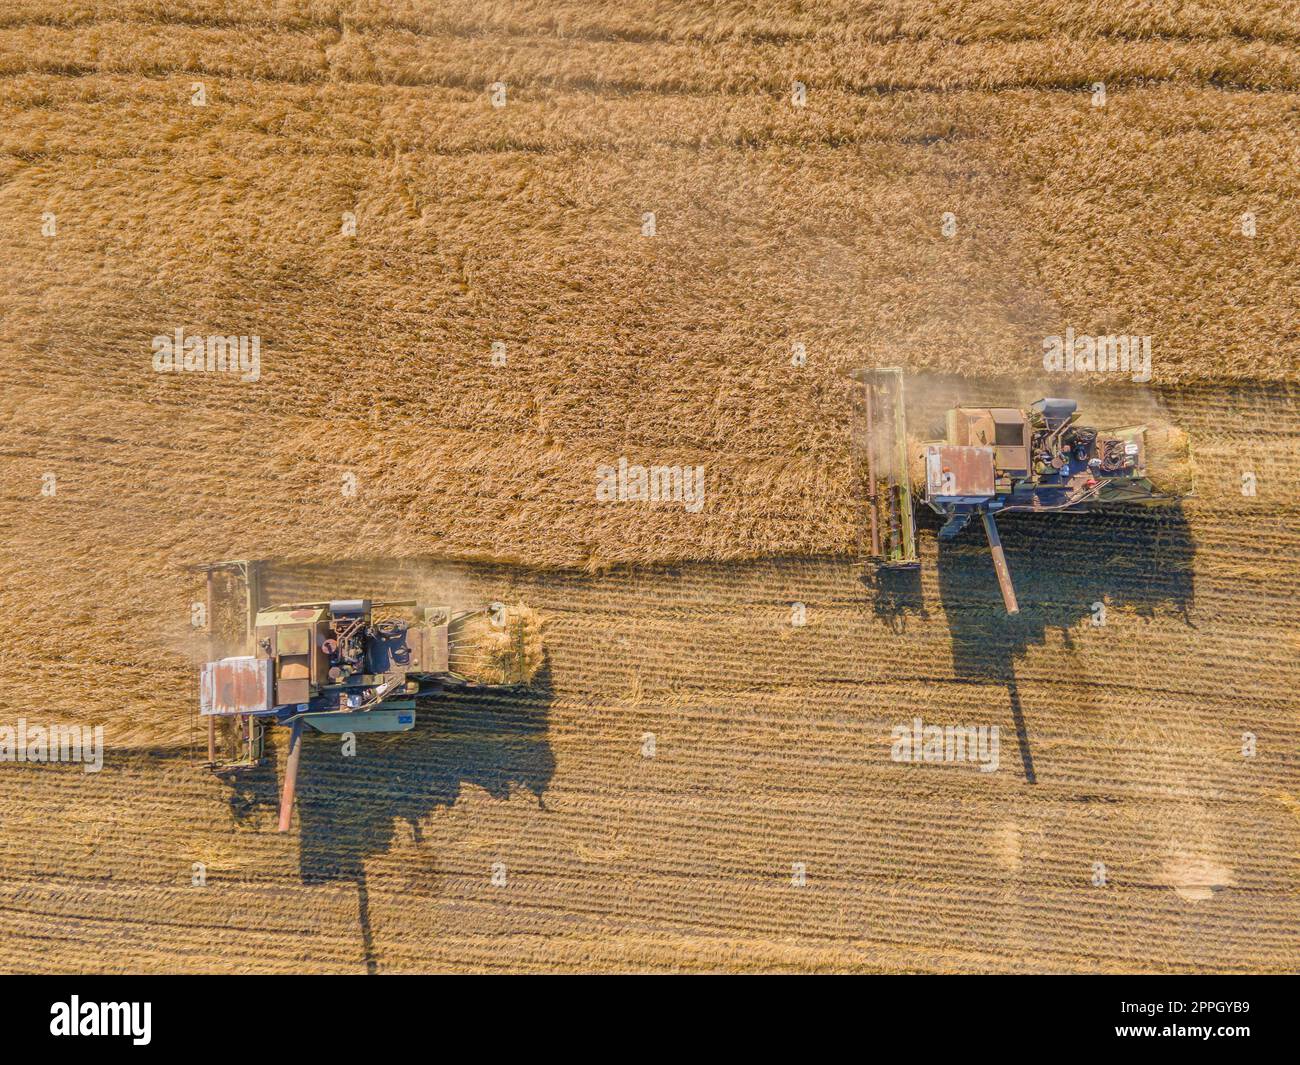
290, 776
1000, 563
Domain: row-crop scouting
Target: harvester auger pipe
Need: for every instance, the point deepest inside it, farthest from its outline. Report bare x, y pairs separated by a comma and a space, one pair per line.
1000, 563
290, 776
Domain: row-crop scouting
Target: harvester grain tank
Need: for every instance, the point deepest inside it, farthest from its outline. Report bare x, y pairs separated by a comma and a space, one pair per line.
1044, 459
353, 665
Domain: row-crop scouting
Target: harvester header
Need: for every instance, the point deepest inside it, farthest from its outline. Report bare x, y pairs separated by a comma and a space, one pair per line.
880, 437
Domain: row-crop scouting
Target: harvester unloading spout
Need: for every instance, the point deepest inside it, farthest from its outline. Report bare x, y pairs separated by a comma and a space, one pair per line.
1000, 563
998, 460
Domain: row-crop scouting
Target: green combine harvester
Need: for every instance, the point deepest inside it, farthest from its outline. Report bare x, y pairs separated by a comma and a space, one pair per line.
352, 665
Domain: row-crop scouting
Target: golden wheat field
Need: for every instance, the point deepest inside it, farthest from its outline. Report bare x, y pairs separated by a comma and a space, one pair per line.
488, 248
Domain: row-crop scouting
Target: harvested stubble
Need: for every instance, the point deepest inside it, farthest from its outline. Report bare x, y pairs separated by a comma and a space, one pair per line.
772, 747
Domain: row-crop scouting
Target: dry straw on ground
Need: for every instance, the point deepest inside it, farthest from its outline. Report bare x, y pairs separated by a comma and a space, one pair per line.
506, 649
1171, 466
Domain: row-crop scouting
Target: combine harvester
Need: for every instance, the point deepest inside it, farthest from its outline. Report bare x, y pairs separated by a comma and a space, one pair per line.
1000, 460
337, 667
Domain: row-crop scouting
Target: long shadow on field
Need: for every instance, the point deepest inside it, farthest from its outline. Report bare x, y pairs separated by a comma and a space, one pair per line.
895, 595
1069, 571
348, 807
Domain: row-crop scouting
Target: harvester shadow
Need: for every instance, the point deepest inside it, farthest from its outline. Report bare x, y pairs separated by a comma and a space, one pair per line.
1069, 570
895, 595
348, 805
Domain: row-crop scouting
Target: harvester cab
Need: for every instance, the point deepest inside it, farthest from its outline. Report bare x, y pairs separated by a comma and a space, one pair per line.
996, 460
353, 665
